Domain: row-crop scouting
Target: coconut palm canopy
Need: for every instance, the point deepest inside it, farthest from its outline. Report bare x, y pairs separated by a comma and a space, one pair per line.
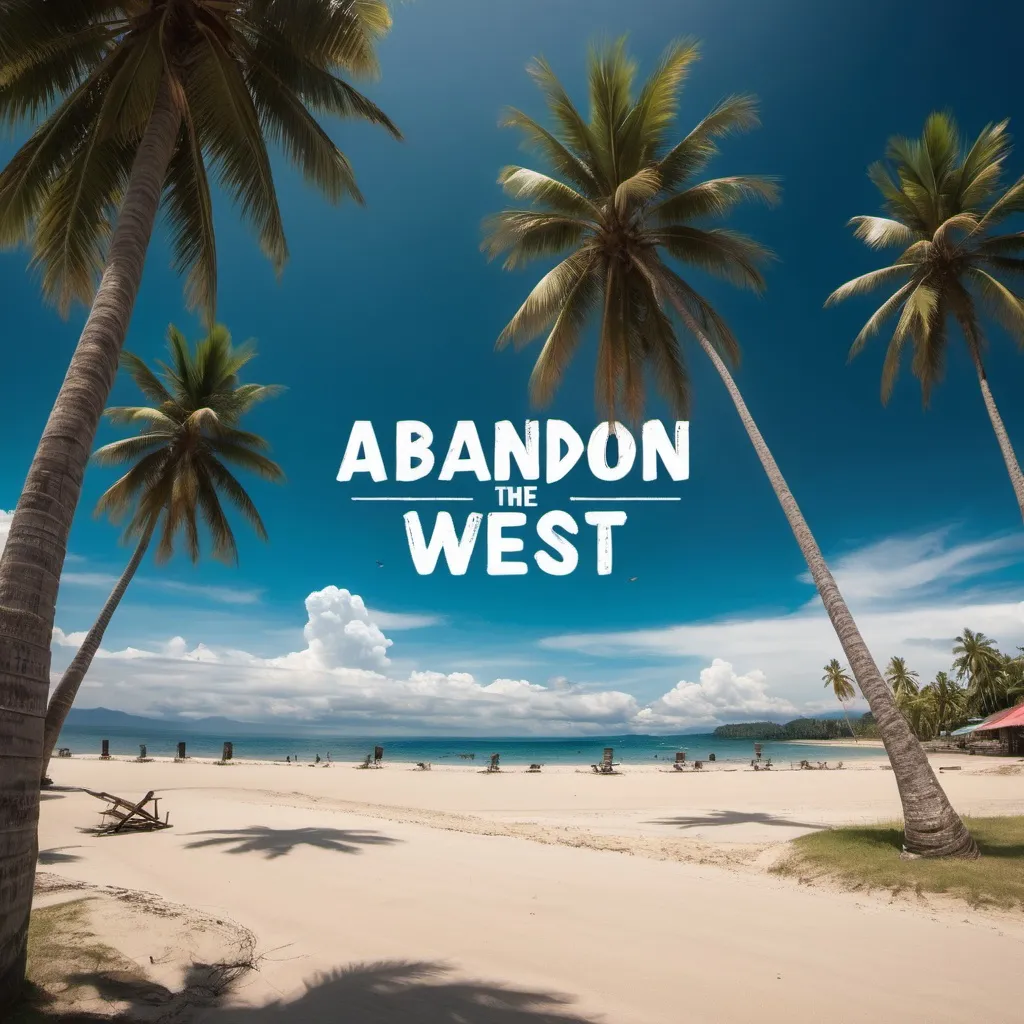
185, 443
621, 201
946, 209
242, 74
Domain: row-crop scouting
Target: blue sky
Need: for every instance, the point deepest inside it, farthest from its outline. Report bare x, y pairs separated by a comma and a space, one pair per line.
390, 312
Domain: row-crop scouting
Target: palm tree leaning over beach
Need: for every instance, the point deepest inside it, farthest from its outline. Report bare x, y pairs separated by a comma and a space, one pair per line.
178, 474
842, 686
621, 207
139, 100
943, 207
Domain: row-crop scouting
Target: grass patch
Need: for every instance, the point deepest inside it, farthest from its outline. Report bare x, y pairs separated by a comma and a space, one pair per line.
64, 958
869, 857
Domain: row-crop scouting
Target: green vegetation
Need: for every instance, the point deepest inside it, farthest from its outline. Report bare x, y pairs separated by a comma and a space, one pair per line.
61, 949
946, 210
798, 729
869, 857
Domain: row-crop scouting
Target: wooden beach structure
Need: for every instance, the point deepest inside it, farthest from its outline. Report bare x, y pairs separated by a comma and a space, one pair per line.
608, 763
122, 815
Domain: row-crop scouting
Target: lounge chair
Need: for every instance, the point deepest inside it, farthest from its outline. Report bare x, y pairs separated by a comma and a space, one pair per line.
680, 762
423, 766
607, 765
534, 768
698, 766
378, 756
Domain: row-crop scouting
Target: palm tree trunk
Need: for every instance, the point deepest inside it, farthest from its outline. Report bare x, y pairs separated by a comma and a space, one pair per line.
1009, 455
931, 827
849, 724
37, 543
67, 689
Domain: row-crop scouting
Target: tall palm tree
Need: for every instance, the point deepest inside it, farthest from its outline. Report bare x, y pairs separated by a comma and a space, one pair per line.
902, 681
977, 660
621, 206
139, 100
944, 206
842, 686
178, 474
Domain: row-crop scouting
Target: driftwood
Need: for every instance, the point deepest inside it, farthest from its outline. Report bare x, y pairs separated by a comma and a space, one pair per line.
130, 817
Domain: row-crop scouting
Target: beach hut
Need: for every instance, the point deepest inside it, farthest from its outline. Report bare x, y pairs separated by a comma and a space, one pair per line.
1008, 727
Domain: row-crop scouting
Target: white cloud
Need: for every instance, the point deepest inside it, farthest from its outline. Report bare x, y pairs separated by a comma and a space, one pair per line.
5, 528
341, 678
902, 592
222, 595
720, 696
403, 620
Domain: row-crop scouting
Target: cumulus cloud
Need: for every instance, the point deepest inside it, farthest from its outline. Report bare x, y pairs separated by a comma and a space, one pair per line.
721, 695
342, 679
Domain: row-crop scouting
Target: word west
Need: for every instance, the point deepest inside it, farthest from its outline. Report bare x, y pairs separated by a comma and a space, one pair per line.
414, 460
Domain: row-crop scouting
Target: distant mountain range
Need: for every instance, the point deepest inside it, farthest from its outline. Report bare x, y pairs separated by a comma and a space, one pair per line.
105, 718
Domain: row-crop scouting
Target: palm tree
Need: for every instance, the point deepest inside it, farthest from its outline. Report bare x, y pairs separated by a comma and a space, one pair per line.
842, 686
620, 206
902, 681
947, 702
178, 474
943, 207
139, 100
979, 662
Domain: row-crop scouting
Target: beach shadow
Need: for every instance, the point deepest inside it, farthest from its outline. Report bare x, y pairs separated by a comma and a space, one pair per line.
276, 842
402, 992
735, 818
56, 856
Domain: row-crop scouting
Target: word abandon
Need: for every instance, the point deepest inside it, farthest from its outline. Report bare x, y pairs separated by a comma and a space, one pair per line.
414, 460
414, 457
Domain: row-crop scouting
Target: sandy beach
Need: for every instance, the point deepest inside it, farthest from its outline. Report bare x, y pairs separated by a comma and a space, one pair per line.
639, 898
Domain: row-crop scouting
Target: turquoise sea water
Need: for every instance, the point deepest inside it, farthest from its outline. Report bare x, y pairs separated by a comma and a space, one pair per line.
628, 749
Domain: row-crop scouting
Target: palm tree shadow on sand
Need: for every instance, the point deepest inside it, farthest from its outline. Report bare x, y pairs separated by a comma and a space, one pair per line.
276, 842
735, 818
386, 992
398, 992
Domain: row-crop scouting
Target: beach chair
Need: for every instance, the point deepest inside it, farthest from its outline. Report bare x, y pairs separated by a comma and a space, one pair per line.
698, 766
607, 765
125, 816
493, 766
64, 752
534, 768
822, 765
378, 756
423, 766
805, 764
711, 757
680, 762
367, 762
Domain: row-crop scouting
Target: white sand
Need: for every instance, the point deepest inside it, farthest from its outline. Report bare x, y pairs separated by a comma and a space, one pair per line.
639, 898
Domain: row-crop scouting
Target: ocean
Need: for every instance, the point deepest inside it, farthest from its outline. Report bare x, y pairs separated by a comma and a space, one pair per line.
160, 742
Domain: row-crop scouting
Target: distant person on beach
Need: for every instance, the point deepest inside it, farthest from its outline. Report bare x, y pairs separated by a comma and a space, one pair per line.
288, 758
317, 758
